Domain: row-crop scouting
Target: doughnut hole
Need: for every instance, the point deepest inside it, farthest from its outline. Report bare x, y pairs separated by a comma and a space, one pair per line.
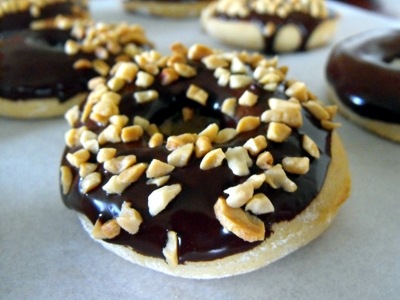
394, 61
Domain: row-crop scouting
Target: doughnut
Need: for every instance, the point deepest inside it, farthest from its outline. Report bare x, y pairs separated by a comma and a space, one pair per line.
168, 9
203, 164
21, 14
363, 74
44, 72
270, 26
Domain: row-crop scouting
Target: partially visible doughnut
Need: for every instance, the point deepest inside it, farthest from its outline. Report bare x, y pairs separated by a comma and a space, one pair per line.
166, 8
22, 14
203, 164
270, 26
363, 73
44, 72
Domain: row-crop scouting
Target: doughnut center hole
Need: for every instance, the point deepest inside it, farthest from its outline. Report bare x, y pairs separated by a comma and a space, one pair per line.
394, 61
187, 120
48, 39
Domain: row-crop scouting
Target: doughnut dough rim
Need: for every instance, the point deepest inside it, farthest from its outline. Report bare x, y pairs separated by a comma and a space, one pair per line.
288, 236
165, 8
38, 107
251, 36
390, 131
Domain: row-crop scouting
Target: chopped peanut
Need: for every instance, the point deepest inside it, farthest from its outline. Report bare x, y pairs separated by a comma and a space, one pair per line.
170, 251
158, 168
276, 178
90, 182
239, 194
296, 165
238, 160
242, 224
66, 179
129, 218
160, 198
212, 159
260, 204
180, 157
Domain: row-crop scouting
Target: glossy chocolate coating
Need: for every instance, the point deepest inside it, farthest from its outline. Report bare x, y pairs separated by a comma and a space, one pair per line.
361, 75
190, 214
23, 19
306, 23
33, 64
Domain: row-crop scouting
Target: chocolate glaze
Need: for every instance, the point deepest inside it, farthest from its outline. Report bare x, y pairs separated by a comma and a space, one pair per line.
190, 214
33, 64
306, 23
23, 19
360, 73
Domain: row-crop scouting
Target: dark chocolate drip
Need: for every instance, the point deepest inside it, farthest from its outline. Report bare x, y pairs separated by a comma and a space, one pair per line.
190, 214
360, 72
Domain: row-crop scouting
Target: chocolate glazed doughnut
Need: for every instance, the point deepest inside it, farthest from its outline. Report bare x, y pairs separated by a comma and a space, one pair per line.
270, 26
203, 164
363, 74
44, 72
169, 8
21, 14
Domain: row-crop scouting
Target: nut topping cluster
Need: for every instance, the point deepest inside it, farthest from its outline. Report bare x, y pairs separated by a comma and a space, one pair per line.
239, 206
120, 41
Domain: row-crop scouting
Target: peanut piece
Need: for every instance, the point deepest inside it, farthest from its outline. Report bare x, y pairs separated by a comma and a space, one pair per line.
236, 220
145, 96
118, 164
131, 133
248, 99
296, 165
212, 159
256, 145
79, 157
197, 94
247, 123
238, 161
156, 140
278, 132
105, 154
108, 230
129, 218
160, 198
90, 182
202, 146
180, 157
225, 135
259, 204
87, 168
310, 146
239, 194
276, 178
66, 179
170, 251
157, 168
159, 181
229, 106
211, 131
265, 160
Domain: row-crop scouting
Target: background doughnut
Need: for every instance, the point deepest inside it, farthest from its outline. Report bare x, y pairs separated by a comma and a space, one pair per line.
271, 27
363, 72
66, 58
